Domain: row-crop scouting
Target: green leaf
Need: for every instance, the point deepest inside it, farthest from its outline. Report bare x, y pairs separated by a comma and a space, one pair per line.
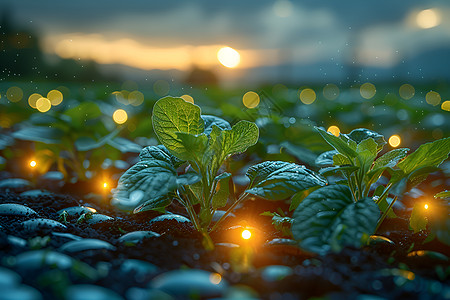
347, 169
241, 136
367, 152
172, 115
220, 197
418, 220
361, 134
157, 204
213, 120
329, 215
151, 178
427, 155
383, 206
439, 222
443, 194
303, 154
48, 135
341, 160
281, 223
277, 180
195, 146
340, 145
390, 159
325, 159
83, 113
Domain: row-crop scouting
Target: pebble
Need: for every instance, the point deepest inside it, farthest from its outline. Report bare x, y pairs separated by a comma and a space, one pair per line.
36, 224
76, 211
97, 218
22, 292
90, 292
190, 283
137, 236
37, 259
171, 217
140, 268
9, 277
275, 272
14, 184
35, 193
17, 210
86, 244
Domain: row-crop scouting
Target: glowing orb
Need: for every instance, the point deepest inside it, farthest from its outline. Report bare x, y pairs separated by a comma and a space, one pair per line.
426, 206
334, 130
246, 234
228, 57
33, 163
394, 140
120, 116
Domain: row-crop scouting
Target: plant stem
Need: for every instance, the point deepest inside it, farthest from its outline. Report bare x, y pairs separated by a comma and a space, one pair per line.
383, 216
384, 194
229, 210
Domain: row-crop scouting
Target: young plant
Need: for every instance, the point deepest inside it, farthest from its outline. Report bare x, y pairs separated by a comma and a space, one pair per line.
348, 212
201, 144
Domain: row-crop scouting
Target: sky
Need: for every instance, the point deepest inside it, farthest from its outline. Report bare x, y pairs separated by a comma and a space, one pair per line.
322, 38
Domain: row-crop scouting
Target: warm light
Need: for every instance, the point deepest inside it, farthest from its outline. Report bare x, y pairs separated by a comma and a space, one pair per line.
246, 234
215, 278
120, 116
446, 105
14, 94
105, 185
136, 98
330, 91
406, 91
43, 104
334, 130
92, 210
367, 90
33, 99
394, 141
433, 98
428, 18
228, 57
187, 98
33, 163
426, 206
251, 99
55, 97
308, 96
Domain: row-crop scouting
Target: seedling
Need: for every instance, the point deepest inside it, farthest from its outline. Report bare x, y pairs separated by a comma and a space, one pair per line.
198, 146
348, 212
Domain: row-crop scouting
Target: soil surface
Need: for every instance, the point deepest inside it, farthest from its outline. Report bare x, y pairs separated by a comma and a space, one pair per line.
265, 268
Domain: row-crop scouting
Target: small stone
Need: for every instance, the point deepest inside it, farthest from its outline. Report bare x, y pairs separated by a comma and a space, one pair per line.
170, 217
140, 268
90, 292
37, 259
36, 224
9, 278
17, 210
86, 244
15, 184
68, 236
76, 211
137, 236
16, 241
35, 193
190, 283
97, 218
275, 272
135, 293
22, 292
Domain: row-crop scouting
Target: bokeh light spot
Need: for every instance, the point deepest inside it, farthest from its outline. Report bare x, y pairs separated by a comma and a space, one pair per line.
446, 105
251, 99
433, 98
14, 94
161, 87
246, 234
406, 91
33, 163
135, 98
367, 90
187, 98
215, 278
120, 116
428, 18
43, 104
330, 91
308, 96
33, 99
55, 97
425, 206
334, 130
394, 141
228, 57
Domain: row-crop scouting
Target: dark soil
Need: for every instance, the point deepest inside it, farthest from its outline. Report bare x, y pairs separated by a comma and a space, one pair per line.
382, 270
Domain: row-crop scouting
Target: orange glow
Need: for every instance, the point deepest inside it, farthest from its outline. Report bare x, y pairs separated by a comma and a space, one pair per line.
334, 130
215, 278
33, 163
105, 185
426, 206
394, 141
246, 234
228, 57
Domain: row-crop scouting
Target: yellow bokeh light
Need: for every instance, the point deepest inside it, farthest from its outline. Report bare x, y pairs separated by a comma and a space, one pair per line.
334, 130
308, 96
187, 98
228, 57
33, 99
135, 98
33, 163
406, 91
105, 185
120, 116
43, 104
14, 94
426, 206
367, 90
428, 18
433, 98
446, 105
394, 141
161, 87
251, 99
330, 91
215, 278
246, 234
55, 97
